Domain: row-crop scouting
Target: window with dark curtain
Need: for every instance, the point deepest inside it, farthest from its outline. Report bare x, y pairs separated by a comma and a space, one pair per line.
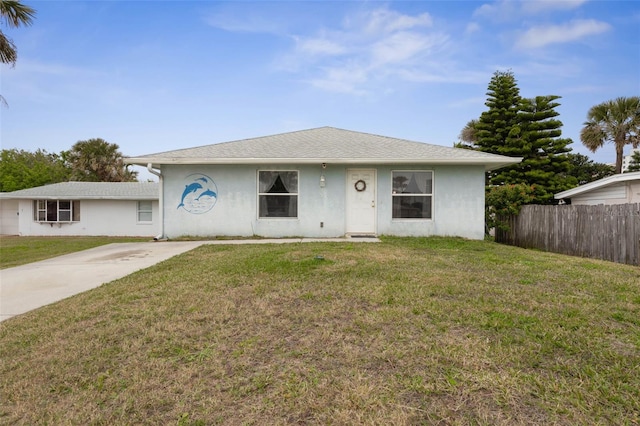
278, 194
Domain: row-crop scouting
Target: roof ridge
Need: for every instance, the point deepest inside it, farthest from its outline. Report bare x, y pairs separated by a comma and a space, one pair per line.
241, 140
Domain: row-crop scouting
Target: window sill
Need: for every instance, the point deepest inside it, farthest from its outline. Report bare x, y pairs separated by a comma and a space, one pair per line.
59, 224
54, 223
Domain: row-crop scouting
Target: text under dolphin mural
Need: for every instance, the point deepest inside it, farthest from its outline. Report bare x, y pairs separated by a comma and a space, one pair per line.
200, 194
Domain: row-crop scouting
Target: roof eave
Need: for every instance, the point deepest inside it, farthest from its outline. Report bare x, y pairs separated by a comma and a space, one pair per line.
601, 183
8, 196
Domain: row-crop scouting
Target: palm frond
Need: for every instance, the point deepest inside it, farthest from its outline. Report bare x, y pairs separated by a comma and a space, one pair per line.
8, 51
593, 136
469, 133
13, 13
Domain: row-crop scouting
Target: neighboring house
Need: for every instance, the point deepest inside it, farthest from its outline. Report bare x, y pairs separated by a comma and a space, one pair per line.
626, 160
82, 208
323, 182
617, 189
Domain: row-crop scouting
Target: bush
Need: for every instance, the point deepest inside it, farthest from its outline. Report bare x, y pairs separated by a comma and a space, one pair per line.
506, 200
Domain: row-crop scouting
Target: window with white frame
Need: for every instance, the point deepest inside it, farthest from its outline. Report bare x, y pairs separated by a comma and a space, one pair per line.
145, 211
277, 194
56, 211
412, 194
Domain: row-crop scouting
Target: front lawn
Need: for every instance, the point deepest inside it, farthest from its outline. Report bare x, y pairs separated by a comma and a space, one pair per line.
407, 331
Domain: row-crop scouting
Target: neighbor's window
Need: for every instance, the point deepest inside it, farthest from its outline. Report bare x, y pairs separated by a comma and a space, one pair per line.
56, 211
277, 194
412, 194
145, 211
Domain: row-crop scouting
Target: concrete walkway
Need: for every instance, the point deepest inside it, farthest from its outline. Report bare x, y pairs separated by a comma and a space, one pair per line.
37, 284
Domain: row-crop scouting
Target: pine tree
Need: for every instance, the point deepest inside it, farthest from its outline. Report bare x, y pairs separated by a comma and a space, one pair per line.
527, 128
536, 138
493, 129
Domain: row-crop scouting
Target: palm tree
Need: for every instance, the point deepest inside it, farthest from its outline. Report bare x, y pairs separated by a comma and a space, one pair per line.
12, 14
96, 160
469, 133
616, 121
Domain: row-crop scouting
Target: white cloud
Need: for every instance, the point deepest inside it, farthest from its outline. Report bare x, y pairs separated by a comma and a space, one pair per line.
544, 35
537, 6
320, 46
347, 79
500, 10
248, 24
368, 46
563, 67
472, 27
442, 74
403, 46
507, 10
273, 19
384, 21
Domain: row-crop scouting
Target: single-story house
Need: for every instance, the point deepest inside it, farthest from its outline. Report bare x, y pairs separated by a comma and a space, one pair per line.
323, 182
82, 208
617, 189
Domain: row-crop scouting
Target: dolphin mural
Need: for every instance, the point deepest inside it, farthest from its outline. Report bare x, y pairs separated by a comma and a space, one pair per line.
188, 190
207, 193
200, 194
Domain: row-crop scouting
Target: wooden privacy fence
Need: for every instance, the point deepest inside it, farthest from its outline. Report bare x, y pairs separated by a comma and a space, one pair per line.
600, 232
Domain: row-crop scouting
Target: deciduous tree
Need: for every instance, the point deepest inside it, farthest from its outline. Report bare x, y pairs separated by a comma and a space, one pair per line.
586, 170
20, 169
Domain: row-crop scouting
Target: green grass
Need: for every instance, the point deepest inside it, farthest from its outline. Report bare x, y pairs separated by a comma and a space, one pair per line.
407, 331
15, 251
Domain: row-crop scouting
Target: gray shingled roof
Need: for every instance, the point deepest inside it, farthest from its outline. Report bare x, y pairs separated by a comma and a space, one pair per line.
324, 145
89, 191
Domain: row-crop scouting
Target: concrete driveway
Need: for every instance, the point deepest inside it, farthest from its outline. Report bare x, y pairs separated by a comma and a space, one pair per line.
37, 284
30, 286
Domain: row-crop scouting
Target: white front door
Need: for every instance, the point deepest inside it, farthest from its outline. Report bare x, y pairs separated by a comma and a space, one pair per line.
361, 201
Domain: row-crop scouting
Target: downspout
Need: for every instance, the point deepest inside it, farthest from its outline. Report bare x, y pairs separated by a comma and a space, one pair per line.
160, 201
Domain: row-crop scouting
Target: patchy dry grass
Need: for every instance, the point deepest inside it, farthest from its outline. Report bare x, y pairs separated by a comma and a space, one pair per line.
15, 251
408, 331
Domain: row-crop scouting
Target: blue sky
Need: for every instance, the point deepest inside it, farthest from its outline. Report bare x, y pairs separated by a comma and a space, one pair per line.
153, 76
